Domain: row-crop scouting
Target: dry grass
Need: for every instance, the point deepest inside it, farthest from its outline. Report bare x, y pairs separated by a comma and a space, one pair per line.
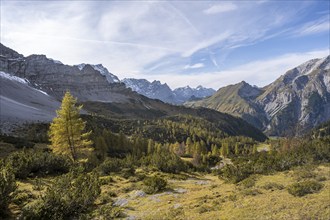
208, 197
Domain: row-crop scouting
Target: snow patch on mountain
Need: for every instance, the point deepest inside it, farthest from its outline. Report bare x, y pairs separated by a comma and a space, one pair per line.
157, 90
19, 80
102, 70
13, 78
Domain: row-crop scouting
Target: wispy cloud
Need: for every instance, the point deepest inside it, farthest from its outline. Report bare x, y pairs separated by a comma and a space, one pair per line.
132, 38
220, 8
314, 27
194, 66
260, 72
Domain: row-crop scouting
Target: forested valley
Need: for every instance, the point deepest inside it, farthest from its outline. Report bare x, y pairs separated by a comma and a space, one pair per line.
121, 168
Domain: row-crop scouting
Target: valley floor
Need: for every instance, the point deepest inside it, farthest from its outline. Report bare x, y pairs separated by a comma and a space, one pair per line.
197, 196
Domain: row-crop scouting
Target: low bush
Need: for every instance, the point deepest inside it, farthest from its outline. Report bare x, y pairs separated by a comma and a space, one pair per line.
7, 186
68, 197
154, 184
16, 141
251, 192
235, 174
273, 186
110, 165
107, 211
30, 162
305, 172
22, 197
114, 165
165, 161
248, 182
303, 188
106, 180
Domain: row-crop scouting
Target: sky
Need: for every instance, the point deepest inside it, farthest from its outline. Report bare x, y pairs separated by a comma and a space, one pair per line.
208, 43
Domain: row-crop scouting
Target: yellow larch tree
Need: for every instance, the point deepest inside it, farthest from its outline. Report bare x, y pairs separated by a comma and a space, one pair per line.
66, 132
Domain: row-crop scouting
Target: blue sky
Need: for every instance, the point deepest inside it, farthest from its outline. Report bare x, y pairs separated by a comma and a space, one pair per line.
212, 43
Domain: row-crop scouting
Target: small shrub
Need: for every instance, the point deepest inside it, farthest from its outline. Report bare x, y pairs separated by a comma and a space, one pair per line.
106, 180
129, 188
248, 182
22, 197
171, 213
106, 211
321, 178
303, 173
154, 184
69, 196
110, 165
16, 141
112, 194
303, 188
29, 162
273, 186
38, 185
110, 212
138, 177
251, 192
232, 197
235, 174
128, 172
7, 187
105, 198
204, 208
165, 161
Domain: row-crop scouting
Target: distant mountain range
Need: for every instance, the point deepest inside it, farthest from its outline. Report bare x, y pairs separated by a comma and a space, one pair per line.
33, 86
157, 90
296, 102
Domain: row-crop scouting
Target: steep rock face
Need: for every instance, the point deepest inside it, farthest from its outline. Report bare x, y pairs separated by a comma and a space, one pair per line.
296, 102
153, 90
183, 94
86, 82
157, 90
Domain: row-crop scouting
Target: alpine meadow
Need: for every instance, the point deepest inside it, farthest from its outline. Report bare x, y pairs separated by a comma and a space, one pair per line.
212, 110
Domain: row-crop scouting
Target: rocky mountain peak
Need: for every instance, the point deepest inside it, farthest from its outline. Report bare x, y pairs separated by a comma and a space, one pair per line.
294, 103
9, 53
157, 90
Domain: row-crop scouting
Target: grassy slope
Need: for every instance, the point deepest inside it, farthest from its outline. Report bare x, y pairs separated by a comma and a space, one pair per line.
230, 100
207, 197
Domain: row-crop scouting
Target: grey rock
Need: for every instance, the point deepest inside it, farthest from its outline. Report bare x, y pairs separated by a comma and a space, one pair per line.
180, 190
121, 202
176, 206
293, 104
86, 82
137, 193
157, 90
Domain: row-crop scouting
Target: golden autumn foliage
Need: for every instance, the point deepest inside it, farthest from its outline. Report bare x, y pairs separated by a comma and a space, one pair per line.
67, 130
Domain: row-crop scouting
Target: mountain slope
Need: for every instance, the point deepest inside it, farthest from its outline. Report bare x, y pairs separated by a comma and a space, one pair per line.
296, 102
237, 100
20, 102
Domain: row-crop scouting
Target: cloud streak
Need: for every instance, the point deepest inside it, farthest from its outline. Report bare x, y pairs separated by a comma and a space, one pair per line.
220, 8
260, 72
